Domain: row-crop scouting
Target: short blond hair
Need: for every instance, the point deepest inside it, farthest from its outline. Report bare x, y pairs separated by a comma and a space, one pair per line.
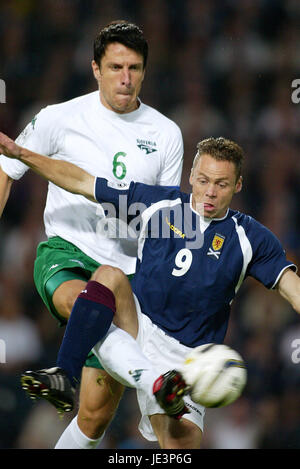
221, 149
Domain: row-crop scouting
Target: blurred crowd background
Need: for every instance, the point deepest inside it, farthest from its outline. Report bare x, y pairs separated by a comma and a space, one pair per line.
216, 68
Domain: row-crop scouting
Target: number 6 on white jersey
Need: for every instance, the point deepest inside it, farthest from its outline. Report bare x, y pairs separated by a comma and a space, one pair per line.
183, 261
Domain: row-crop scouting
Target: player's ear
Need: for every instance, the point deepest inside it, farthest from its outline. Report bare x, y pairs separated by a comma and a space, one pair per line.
96, 70
144, 71
191, 177
239, 185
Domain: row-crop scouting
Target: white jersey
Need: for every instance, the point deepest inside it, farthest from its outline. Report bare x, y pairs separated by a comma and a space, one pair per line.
142, 146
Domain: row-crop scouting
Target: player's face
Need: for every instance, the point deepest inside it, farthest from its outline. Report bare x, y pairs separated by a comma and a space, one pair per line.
214, 184
119, 77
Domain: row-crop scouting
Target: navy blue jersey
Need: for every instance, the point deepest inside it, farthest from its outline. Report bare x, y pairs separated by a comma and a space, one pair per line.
190, 268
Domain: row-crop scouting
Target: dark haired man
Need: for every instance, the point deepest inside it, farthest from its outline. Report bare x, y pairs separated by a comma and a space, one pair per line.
183, 291
112, 133
120, 48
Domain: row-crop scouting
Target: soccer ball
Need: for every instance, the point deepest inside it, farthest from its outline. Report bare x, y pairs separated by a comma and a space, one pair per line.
215, 373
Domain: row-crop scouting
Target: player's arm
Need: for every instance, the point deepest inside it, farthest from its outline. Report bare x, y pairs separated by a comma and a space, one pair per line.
173, 160
289, 288
62, 173
5, 188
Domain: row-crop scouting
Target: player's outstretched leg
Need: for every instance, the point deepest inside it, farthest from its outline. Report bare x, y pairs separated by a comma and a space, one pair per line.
84, 330
51, 384
169, 390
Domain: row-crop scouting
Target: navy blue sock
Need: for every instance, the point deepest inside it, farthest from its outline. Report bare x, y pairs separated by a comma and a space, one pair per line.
90, 319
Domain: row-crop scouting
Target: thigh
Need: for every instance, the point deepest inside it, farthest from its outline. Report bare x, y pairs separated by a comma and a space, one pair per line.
165, 353
59, 262
176, 434
65, 296
99, 398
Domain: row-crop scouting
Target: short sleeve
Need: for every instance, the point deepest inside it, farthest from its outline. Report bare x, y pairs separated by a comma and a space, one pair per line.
269, 258
173, 160
42, 135
128, 194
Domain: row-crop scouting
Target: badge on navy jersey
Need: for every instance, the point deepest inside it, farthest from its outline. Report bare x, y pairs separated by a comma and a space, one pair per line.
118, 185
216, 246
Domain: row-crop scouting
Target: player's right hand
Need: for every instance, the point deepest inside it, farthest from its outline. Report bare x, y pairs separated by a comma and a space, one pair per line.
8, 147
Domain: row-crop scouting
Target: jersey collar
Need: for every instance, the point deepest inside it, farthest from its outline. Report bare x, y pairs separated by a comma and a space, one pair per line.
129, 116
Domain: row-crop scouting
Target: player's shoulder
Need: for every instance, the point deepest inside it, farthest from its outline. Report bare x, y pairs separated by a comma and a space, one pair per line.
171, 193
163, 195
67, 108
243, 219
254, 229
161, 120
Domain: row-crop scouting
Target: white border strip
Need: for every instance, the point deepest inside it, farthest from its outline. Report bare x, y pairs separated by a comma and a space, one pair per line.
246, 250
147, 214
280, 274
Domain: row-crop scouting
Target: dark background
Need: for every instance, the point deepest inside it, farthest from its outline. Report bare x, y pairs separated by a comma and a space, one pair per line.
216, 68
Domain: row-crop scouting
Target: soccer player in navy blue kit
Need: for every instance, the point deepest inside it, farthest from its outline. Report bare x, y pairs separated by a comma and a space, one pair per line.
190, 247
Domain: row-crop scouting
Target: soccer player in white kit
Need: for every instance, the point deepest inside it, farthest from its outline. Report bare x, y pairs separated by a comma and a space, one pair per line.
117, 136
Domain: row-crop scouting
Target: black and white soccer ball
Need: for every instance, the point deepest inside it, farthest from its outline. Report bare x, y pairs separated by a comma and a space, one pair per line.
215, 373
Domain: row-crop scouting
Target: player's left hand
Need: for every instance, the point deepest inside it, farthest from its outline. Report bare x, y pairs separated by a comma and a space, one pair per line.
8, 147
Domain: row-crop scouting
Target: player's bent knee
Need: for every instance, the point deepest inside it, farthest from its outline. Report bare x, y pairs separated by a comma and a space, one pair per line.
187, 434
111, 277
176, 434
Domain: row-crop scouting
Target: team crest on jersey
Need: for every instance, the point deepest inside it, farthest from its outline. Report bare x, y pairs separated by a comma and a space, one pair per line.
217, 242
146, 145
216, 246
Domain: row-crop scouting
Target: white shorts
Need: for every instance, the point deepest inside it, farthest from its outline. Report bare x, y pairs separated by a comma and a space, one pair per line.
165, 353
